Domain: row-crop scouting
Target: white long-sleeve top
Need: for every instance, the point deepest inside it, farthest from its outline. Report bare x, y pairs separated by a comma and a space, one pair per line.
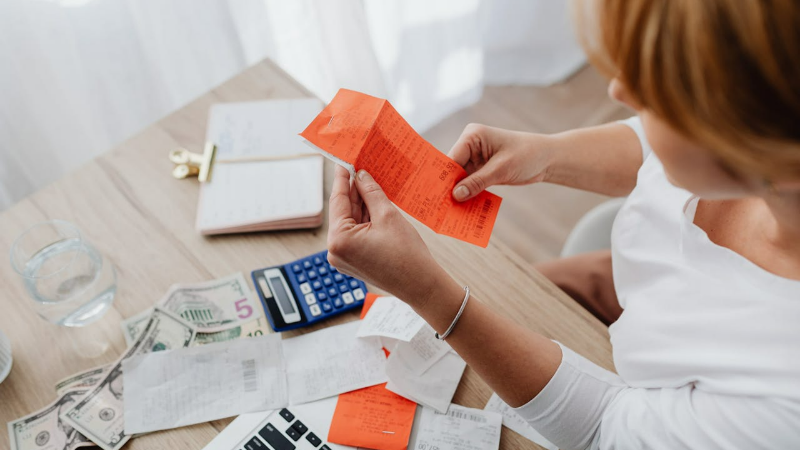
707, 348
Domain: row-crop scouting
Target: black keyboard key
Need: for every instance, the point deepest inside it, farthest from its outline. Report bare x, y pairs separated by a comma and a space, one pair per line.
286, 415
292, 433
275, 438
255, 444
300, 427
315, 441
324, 447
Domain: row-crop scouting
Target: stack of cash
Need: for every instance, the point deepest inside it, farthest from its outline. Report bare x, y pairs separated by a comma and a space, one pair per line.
89, 408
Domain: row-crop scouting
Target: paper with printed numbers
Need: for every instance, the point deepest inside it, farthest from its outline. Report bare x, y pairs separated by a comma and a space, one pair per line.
460, 428
358, 132
331, 361
513, 421
198, 384
390, 317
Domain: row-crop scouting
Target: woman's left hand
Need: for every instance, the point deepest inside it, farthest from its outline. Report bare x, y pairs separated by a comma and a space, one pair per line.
369, 239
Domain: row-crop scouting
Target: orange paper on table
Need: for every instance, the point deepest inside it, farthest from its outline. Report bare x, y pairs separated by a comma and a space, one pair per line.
372, 417
364, 132
369, 300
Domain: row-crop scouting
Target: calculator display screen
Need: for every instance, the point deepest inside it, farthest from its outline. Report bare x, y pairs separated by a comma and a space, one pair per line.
280, 293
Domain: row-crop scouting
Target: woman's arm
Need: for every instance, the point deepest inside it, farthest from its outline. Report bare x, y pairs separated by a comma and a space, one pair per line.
603, 159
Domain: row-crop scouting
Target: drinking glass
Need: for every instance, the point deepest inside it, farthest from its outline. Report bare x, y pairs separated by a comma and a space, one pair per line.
71, 283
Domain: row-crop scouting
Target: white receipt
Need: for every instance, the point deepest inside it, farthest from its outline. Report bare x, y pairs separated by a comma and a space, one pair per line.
390, 317
434, 388
460, 428
332, 361
513, 421
185, 386
423, 351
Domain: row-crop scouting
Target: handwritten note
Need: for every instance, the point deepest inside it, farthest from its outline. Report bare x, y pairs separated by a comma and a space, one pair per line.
460, 428
513, 421
331, 361
390, 317
374, 418
185, 386
364, 132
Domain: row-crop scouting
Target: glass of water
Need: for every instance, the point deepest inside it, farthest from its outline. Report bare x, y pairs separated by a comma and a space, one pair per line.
71, 283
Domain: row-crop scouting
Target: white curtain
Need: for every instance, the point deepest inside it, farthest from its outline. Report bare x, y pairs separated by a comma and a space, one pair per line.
79, 76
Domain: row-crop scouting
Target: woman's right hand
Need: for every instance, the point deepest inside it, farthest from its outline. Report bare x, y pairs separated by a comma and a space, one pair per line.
496, 156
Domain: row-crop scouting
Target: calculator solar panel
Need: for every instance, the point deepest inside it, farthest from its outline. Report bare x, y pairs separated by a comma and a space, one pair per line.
306, 291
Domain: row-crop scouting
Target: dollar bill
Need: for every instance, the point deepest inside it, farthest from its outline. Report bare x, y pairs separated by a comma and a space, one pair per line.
85, 379
98, 415
258, 327
132, 326
214, 305
45, 430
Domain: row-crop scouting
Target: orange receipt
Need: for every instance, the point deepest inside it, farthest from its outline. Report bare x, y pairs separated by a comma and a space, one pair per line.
364, 132
372, 417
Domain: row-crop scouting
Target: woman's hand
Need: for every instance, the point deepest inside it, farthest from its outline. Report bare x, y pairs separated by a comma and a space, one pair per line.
368, 238
497, 156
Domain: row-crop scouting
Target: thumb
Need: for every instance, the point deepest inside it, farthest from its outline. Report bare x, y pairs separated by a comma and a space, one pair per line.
372, 194
473, 185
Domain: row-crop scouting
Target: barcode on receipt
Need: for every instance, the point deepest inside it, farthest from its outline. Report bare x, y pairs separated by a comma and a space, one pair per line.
249, 375
466, 416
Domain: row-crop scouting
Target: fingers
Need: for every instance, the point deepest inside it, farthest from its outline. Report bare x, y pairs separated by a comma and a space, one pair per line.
340, 205
467, 143
373, 196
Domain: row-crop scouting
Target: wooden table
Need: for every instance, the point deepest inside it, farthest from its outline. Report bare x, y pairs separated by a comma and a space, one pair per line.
128, 205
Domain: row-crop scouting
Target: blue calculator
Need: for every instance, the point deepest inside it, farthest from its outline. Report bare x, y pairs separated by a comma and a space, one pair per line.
306, 291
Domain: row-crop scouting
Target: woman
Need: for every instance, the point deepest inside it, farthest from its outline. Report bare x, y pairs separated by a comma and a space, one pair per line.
705, 253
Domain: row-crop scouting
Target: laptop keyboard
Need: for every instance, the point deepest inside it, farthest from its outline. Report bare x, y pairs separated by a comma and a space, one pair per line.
283, 431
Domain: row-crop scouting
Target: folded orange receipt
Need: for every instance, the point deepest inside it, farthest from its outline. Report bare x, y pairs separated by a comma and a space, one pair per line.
364, 132
372, 417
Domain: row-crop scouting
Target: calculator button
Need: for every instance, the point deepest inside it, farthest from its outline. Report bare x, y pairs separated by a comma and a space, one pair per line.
305, 288
343, 288
358, 294
338, 278
296, 268
333, 292
292, 433
315, 311
318, 261
287, 415
331, 268
317, 285
311, 299
327, 281
322, 296
254, 444
300, 427
275, 438
326, 306
324, 447
354, 284
313, 439
323, 271
306, 265
312, 274
337, 302
348, 298
301, 278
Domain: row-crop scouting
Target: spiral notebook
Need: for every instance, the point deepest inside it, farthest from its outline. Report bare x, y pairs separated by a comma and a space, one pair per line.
282, 193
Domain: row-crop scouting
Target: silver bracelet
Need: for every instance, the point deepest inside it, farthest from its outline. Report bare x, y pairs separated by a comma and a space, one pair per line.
458, 316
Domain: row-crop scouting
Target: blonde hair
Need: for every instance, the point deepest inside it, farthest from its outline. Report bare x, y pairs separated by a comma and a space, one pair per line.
725, 73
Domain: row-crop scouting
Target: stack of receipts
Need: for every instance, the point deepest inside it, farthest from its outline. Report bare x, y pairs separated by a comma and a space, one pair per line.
199, 384
420, 367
